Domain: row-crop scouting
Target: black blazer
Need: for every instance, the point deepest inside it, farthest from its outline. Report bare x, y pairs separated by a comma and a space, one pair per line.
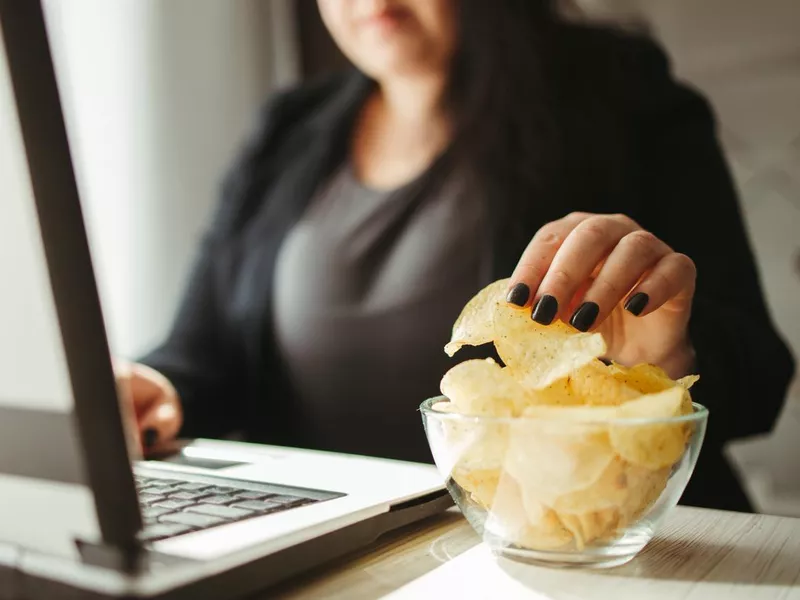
664, 169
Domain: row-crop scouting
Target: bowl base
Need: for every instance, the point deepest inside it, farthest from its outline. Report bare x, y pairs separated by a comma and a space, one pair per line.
617, 554
562, 560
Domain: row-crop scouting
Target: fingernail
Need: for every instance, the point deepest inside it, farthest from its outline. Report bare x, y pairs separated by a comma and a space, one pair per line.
149, 437
637, 303
585, 316
519, 295
545, 310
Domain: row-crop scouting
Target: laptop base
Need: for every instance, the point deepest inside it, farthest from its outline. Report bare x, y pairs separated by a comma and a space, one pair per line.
243, 579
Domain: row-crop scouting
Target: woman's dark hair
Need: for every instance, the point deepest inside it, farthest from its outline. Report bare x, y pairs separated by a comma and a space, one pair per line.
500, 97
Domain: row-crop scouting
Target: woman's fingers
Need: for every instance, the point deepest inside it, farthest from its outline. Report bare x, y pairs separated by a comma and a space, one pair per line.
160, 423
123, 377
538, 256
581, 267
589, 243
671, 280
150, 405
634, 255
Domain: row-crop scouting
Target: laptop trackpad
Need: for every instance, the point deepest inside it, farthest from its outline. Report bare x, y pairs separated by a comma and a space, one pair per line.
200, 462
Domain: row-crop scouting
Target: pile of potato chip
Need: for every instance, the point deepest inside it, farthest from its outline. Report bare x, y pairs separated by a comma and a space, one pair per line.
569, 471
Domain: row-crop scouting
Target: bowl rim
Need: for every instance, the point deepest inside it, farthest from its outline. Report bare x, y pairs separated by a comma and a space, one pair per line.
700, 414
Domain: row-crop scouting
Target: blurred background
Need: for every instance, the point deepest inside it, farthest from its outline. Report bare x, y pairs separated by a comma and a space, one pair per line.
159, 95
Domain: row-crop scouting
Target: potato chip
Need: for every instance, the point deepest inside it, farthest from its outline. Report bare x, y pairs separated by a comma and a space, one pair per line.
474, 325
550, 459
687, 407
562, 417
649, 379
596, 385
688, 381
540, 355
480, 484
482, 387
591, 527
528, 524
466, 444
644, 488
475, 446
644, 378
558, 393
609, 491
652, 446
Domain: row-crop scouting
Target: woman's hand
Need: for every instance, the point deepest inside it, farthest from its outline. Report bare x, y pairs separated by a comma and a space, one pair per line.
606, 273
151, 406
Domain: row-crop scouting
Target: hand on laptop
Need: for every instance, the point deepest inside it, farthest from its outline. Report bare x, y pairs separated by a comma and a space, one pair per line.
153, 405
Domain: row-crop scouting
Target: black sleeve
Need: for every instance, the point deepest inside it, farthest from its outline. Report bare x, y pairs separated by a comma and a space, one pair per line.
690, 201
201, 355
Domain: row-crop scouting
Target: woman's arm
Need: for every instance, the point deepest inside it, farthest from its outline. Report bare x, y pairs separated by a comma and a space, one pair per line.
691, 203
197, 358
202, 356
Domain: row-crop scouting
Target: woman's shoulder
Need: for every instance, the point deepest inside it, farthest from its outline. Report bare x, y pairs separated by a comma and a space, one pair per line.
625, 68
285, 114
294, 105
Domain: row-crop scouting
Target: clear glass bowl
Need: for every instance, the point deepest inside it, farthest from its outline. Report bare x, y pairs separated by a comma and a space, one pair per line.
565, 493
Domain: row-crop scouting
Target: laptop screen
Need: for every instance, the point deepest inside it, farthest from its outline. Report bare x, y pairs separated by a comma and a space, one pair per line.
64, 469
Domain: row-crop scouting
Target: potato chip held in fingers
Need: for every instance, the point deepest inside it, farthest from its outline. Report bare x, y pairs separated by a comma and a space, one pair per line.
537, 354
474, 326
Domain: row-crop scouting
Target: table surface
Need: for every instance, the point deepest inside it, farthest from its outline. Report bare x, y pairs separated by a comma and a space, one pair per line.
698, 554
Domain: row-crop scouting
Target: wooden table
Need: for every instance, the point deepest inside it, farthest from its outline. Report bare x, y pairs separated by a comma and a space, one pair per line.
698, 554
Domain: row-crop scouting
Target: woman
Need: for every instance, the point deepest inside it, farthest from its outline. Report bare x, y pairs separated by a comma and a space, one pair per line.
475, 141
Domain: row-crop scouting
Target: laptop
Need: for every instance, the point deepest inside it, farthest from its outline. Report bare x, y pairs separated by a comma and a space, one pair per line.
80, 516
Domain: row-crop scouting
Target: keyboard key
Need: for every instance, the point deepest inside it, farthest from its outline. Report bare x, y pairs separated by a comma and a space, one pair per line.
188, 495
251, 495
260, 506
173, 504
194, 487
165, 490
220, 490
219, 499
192, 519
163, 530
290, 501
152, 512
164, 482
146, 485
148, 498
225, 512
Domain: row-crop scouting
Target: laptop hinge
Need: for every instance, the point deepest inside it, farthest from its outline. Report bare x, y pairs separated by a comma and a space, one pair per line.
131, 560
10, 575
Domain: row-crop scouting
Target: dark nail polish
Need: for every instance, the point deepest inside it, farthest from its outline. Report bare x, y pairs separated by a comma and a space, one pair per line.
149, 437
637, 303
519, 295
545, 310
585, 316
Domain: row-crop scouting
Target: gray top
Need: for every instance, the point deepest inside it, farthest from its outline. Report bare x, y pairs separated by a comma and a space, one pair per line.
366, 292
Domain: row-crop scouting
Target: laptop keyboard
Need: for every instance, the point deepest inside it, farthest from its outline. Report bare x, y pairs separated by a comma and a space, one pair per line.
171, 507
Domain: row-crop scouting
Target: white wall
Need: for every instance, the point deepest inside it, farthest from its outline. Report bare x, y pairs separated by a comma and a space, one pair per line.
159, 95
